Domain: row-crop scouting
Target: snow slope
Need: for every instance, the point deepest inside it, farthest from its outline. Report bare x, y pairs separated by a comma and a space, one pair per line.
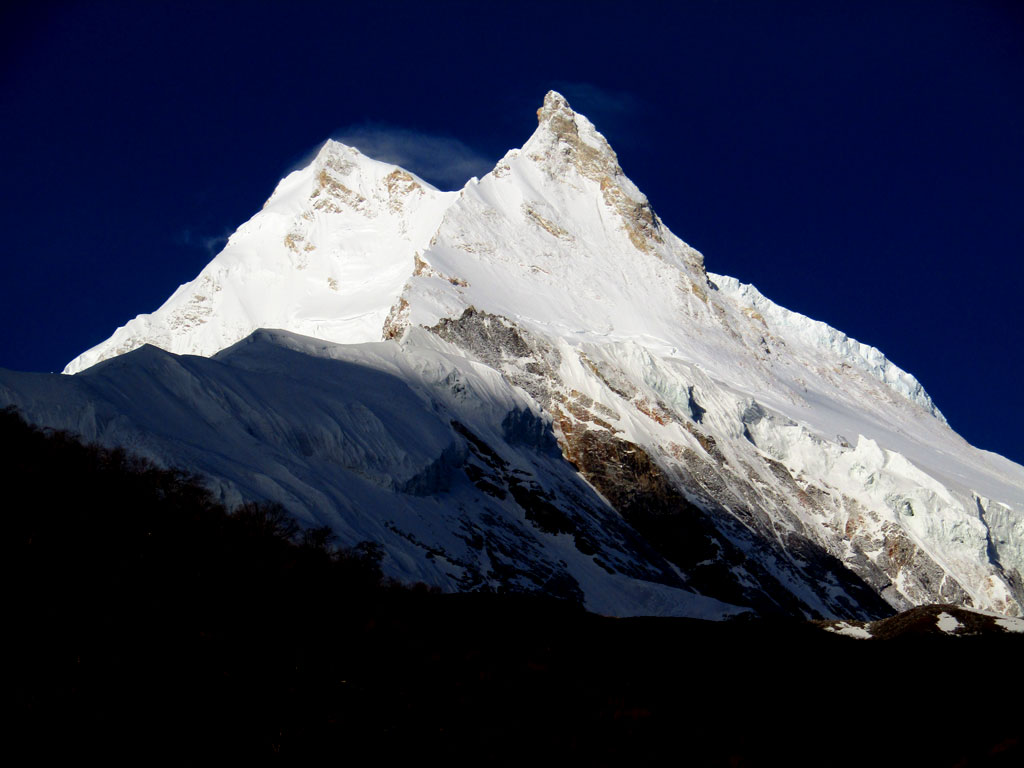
770, 458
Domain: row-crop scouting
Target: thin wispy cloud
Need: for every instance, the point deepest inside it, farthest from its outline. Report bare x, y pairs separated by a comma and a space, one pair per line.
587, 97
211, 244
443, 161
614, 112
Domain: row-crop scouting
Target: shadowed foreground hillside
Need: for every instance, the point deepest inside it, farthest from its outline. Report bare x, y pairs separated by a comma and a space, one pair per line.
150, 625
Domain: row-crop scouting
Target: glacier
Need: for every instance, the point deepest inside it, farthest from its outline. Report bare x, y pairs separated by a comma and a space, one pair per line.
532, 384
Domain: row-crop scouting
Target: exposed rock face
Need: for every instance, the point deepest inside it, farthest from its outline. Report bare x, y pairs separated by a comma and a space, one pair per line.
397, 320
525, 361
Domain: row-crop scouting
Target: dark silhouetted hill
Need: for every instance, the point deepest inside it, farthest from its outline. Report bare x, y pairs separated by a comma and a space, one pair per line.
149, 625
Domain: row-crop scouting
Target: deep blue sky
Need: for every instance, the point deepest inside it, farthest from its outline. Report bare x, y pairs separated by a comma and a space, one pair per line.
860, 162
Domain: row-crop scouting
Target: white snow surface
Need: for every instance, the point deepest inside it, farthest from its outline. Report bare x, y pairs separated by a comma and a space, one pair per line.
947, 622
850, 630
558, 241
1011, 624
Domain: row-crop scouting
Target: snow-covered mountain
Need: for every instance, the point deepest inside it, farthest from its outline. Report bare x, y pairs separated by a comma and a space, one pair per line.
532, 384
326, 257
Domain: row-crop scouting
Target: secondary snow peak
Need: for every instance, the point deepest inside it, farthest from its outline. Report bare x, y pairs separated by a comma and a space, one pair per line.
326, 256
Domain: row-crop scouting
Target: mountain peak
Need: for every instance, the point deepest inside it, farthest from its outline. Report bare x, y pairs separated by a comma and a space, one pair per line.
332, 150
566, 141
554, 103
557, 120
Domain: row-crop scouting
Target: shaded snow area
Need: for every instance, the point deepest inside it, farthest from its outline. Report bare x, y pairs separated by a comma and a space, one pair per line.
533, 384
438, 458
